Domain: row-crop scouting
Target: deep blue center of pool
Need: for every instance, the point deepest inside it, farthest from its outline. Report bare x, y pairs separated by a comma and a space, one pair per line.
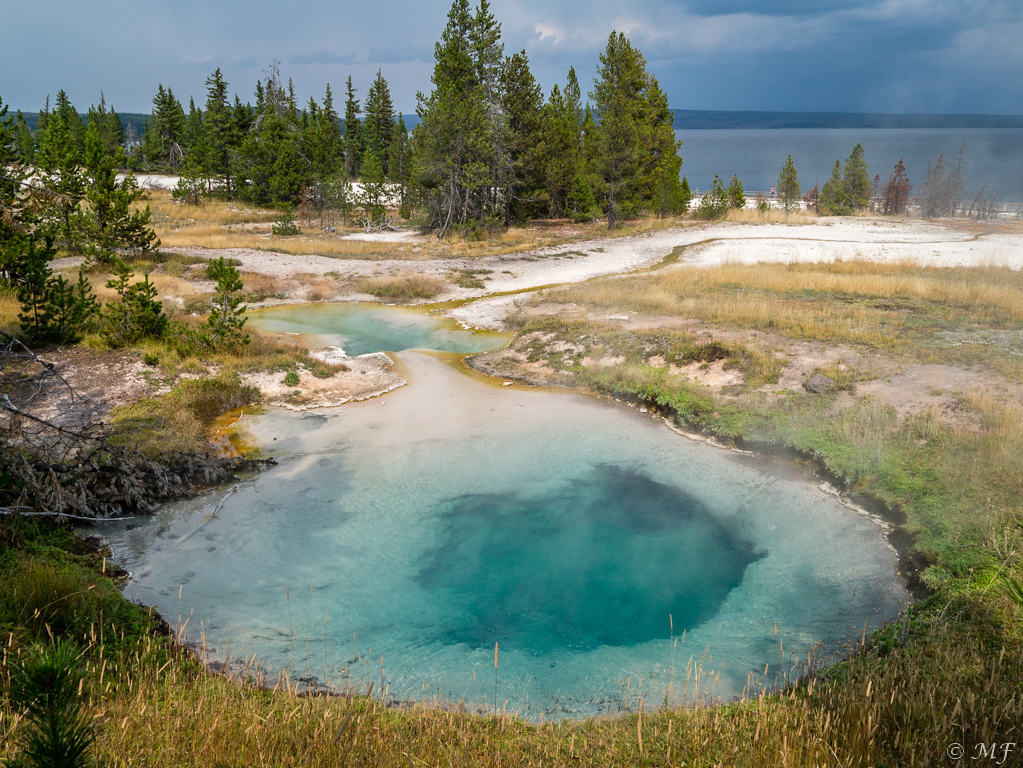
604, 560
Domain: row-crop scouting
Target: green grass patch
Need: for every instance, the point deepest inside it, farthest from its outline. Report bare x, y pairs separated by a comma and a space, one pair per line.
178, 420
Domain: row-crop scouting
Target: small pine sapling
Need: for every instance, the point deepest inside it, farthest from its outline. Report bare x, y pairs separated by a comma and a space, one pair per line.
137, 314
44, 688
736, 194
226, 318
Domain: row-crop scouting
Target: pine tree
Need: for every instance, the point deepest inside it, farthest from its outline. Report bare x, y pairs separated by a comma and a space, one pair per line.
374, 190
137, 314
193, 127
562, 146
399, 165
23, 141
66, 112
165, 131
328, 143
109, 221
454, 139
32, 287
70, 308
638, 151
226, 318
489, 60
620, 108
714, 203
44, 689
379, 120
663, 166
16, 218
52, 308
736, 194
58, 159
788, 185
856, 180
833, 197
270, 170
896, 190
221, 132
110, 127
522, 103
353, 131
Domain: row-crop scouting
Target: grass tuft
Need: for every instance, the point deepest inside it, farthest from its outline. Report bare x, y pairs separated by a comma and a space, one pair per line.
403, 288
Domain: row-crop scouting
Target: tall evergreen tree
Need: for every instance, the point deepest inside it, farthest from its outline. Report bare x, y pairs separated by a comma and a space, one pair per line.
833, 198
165, 130
23, 141
193, 127
660, 183
736, 194
523, 106
561, 146
327, 143
353, 130
489, 60
14, 226
67, 113
221, 131
637, 158
270, 169
788, 185
399, 165
896, 191
620, 111
110, 126
454, 141
59, 159
856, 180
379, 120
109, 221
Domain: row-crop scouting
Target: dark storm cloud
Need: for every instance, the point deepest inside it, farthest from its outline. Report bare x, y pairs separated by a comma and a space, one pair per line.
837, 55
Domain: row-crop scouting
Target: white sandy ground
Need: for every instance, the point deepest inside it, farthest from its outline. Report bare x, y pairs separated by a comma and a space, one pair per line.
826, 240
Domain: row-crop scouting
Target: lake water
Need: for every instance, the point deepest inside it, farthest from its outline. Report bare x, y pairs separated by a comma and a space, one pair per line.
757, 155
611, 559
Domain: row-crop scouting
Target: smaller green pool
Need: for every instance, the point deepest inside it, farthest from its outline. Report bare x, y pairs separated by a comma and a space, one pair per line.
360, 328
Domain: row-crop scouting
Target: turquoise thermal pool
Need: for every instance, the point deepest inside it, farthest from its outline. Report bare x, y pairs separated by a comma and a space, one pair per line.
400, 538
360, 328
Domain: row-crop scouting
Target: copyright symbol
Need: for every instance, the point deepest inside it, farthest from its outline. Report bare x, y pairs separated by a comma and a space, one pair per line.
955, 751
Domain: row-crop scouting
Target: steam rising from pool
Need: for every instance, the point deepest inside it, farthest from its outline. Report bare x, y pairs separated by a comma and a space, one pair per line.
423, 527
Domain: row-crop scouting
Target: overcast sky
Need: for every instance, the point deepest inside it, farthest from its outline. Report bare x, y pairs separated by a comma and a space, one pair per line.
805, 55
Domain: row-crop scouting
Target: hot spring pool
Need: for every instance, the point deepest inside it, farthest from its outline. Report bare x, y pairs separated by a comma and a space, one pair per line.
400, 538
359, 328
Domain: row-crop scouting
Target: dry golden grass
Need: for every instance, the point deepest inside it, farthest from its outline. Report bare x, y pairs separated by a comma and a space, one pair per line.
220, 224
168, 214
858, 301
903, 709
9, 309
407, 287
770, 216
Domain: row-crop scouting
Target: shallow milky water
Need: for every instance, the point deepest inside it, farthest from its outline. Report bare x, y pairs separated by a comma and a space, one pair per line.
455, 513
359, 328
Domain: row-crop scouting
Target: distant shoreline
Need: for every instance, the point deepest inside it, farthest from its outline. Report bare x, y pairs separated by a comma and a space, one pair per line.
699, 119
696, 119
